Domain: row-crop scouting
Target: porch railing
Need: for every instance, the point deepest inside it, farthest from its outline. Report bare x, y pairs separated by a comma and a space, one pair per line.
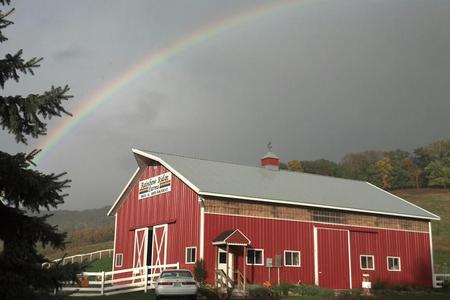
222, 280
240, 280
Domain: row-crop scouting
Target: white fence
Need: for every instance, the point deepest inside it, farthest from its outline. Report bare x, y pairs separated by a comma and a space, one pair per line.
87, 256
439, 279
117, 282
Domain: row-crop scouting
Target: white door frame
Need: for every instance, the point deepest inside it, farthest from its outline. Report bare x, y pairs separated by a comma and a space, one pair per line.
223, 267
316, 254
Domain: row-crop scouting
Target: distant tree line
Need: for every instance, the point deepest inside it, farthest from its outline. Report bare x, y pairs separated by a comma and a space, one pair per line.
427, 166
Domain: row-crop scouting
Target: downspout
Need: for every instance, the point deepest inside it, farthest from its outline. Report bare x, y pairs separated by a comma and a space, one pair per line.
202, 227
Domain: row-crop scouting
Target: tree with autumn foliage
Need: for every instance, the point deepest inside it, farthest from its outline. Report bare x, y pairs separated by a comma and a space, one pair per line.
384, 170
295, 165
24, 190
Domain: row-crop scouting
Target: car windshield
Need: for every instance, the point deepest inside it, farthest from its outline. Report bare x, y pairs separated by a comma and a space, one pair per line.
175, 274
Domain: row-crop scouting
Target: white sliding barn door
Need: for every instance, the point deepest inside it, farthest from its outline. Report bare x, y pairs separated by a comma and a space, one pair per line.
159, 248
140, 248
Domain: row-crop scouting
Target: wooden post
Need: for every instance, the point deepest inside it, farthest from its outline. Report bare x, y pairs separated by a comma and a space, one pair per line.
228, 263
102, 289
215, 265
145, 279
245, 263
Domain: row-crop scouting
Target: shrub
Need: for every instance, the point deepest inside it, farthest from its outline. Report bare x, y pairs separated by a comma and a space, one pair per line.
260, 292
200, 271
311, 290
352, 294
379, 285
284, 288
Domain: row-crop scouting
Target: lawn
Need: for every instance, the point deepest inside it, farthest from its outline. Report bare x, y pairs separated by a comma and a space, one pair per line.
104, 264
394, 296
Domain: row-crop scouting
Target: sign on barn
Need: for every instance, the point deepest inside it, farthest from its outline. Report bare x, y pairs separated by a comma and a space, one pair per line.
155, 185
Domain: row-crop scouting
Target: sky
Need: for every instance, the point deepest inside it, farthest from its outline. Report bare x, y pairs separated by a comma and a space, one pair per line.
317, 78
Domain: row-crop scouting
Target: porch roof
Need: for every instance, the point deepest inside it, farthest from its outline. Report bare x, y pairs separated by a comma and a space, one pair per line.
233, 237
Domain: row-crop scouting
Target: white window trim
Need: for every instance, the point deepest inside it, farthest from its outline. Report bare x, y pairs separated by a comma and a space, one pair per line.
121, 260
399, 264
373, 262
186, 256
253, 264
299, 259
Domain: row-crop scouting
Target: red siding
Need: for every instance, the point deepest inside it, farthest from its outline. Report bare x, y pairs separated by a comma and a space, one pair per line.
270, 161
333, 265
179, 208
275, 236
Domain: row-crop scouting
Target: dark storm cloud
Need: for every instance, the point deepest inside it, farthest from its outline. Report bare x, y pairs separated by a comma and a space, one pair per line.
69, 53
318, 80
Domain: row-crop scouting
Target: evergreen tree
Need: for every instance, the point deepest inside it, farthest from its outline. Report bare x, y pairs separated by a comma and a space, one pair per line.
24, 190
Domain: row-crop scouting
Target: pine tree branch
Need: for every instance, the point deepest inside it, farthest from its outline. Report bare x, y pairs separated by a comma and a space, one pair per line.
23, 116
12, 65
3, 21
22, 187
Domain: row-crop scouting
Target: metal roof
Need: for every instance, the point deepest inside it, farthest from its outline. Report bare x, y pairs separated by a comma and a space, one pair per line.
212, 178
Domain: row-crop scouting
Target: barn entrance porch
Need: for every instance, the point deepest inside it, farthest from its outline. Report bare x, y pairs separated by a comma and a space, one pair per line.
231, 245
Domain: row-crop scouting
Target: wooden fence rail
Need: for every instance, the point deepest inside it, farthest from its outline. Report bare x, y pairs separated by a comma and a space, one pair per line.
117, 282
84, 257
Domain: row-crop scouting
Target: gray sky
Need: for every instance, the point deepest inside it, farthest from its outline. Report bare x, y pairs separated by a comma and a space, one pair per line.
319, 80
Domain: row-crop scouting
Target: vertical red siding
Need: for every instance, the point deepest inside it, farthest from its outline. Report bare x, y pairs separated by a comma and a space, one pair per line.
413, 248
275, 236
179, 206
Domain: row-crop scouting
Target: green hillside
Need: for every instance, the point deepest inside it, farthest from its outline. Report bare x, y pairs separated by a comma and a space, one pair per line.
436, 201
69, 220
87, 231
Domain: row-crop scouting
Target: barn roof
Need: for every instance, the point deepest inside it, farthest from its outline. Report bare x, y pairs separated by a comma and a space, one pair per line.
221, 179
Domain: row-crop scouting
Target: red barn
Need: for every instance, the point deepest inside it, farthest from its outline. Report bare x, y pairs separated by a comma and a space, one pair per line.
241, 220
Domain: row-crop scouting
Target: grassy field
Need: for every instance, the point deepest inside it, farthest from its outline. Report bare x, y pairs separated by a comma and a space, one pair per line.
436, 201
104, 264
395, 296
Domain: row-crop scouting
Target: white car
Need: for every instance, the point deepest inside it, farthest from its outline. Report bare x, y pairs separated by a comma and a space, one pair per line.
176, 283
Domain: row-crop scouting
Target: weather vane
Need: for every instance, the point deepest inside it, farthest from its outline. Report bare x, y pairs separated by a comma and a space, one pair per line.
269, 146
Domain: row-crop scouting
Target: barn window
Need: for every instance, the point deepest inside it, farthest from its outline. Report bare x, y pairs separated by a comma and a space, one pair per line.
255, 257
191, 255
327, 216
367, 262
292, 258
119, 259
393, 263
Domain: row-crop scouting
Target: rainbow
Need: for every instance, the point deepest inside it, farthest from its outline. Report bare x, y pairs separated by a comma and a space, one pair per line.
150, 62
